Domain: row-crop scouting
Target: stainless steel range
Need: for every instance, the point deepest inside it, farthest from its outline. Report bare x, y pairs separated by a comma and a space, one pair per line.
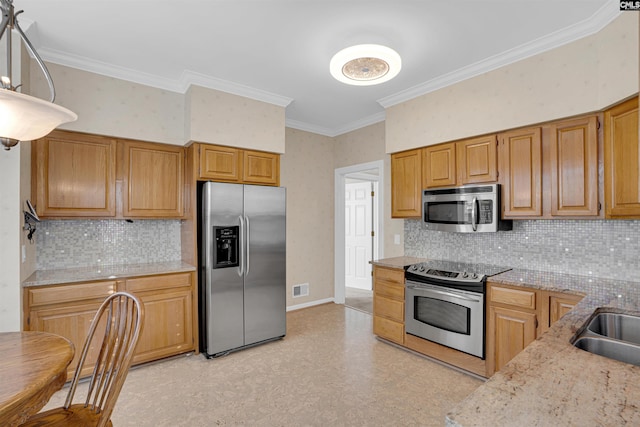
445, 303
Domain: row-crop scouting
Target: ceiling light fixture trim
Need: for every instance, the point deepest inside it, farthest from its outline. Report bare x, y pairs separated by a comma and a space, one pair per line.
365, 65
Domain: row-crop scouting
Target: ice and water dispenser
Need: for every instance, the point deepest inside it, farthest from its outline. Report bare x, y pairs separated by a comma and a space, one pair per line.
225, 252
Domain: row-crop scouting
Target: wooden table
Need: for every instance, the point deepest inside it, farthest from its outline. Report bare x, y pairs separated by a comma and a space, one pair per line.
33, 366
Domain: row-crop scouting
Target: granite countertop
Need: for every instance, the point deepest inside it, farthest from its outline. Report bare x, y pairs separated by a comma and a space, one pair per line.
397, 262
551, 382
106, 272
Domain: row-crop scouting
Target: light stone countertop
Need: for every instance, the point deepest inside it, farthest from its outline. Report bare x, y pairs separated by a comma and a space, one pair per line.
398, 262
553, 383
106, 272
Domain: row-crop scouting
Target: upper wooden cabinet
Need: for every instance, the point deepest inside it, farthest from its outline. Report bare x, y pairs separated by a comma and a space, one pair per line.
477, 160
622, 161
406, 180
229, 164
520, 168
153, 180
74, 175
439, 165
260, 168
220, 163
573, 164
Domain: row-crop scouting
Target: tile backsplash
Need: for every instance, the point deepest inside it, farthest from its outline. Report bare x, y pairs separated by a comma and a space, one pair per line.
80, 243
607, 249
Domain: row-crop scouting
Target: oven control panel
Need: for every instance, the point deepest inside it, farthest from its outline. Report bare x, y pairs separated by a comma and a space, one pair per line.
457, 276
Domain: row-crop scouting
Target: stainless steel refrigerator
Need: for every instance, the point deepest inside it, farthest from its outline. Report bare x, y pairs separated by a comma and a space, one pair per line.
242, 266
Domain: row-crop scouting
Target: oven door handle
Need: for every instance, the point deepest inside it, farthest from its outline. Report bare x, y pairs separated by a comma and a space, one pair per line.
450, 294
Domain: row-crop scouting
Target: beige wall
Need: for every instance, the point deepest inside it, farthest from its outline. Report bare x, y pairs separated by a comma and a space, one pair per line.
110, 106
114, 107
583, 76
367, 145
222, 118
307, 173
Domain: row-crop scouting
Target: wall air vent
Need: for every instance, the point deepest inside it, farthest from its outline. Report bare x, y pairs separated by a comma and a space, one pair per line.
301, 290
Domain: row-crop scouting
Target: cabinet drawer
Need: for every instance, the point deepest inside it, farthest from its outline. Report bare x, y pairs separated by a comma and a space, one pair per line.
390, 290
140, 284
390, 275
388, 329
516, 297
71, 292
389, 308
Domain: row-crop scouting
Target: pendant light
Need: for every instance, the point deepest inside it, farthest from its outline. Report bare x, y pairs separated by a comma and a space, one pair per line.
24, 117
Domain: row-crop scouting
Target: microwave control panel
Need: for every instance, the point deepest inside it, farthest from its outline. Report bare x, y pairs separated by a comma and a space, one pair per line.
485, 211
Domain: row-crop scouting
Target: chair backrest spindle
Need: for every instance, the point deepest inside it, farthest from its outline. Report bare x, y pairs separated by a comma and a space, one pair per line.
124, 315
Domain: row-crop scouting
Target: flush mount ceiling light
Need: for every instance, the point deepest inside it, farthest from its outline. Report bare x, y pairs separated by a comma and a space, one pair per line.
365, 64
23, 117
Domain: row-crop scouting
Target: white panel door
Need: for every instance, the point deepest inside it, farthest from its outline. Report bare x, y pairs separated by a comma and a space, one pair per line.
358, 239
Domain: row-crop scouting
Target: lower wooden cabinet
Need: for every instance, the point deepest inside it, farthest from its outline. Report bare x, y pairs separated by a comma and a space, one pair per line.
388, 303
68, 309
516, 316
512, 331
561, 304
512, 323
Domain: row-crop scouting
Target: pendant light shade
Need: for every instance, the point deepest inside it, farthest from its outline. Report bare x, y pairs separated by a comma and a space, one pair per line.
25, 118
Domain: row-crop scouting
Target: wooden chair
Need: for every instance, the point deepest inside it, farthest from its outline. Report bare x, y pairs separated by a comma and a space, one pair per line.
123, 315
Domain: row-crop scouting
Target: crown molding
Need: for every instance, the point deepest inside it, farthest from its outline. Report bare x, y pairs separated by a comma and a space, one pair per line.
308, 127
109, 70
187, 79
607, 13
192, 78
333, 132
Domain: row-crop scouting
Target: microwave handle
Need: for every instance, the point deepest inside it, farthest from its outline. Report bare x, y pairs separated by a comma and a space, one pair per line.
474, 213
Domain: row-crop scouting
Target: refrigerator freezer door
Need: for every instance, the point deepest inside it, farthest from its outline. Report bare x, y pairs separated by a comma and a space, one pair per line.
222, 206
265, 271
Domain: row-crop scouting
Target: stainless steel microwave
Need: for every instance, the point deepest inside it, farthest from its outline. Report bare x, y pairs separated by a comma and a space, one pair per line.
467, 209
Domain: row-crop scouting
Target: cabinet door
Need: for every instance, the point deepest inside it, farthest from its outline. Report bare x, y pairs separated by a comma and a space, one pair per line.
72, 322
260, 168
477, 160
168, 325
511, 331
75, 175
406, 182
153, 180
573, 158
439, 165
622, 160
521, 172
220, 163
561, 305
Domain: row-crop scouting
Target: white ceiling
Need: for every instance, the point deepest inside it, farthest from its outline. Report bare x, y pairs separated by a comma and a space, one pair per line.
278, 51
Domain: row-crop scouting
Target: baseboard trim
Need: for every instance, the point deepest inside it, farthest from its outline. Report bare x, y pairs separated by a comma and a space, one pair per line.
309, 304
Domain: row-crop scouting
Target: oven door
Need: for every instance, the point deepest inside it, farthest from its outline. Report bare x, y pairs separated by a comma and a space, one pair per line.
449, 317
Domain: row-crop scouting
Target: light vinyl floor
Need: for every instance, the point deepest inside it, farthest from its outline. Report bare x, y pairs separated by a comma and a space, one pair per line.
329, 370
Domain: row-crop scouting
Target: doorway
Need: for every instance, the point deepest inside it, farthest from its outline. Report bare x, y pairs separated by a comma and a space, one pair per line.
358, 231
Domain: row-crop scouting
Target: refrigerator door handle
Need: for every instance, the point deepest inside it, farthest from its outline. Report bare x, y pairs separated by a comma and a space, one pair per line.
242, 246
247, 247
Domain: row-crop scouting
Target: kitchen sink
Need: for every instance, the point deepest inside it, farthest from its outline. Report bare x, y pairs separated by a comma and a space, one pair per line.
613, 349
617, 326
612, 335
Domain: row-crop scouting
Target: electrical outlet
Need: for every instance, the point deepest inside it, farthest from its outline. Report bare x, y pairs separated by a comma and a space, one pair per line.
24, 254
396, 239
